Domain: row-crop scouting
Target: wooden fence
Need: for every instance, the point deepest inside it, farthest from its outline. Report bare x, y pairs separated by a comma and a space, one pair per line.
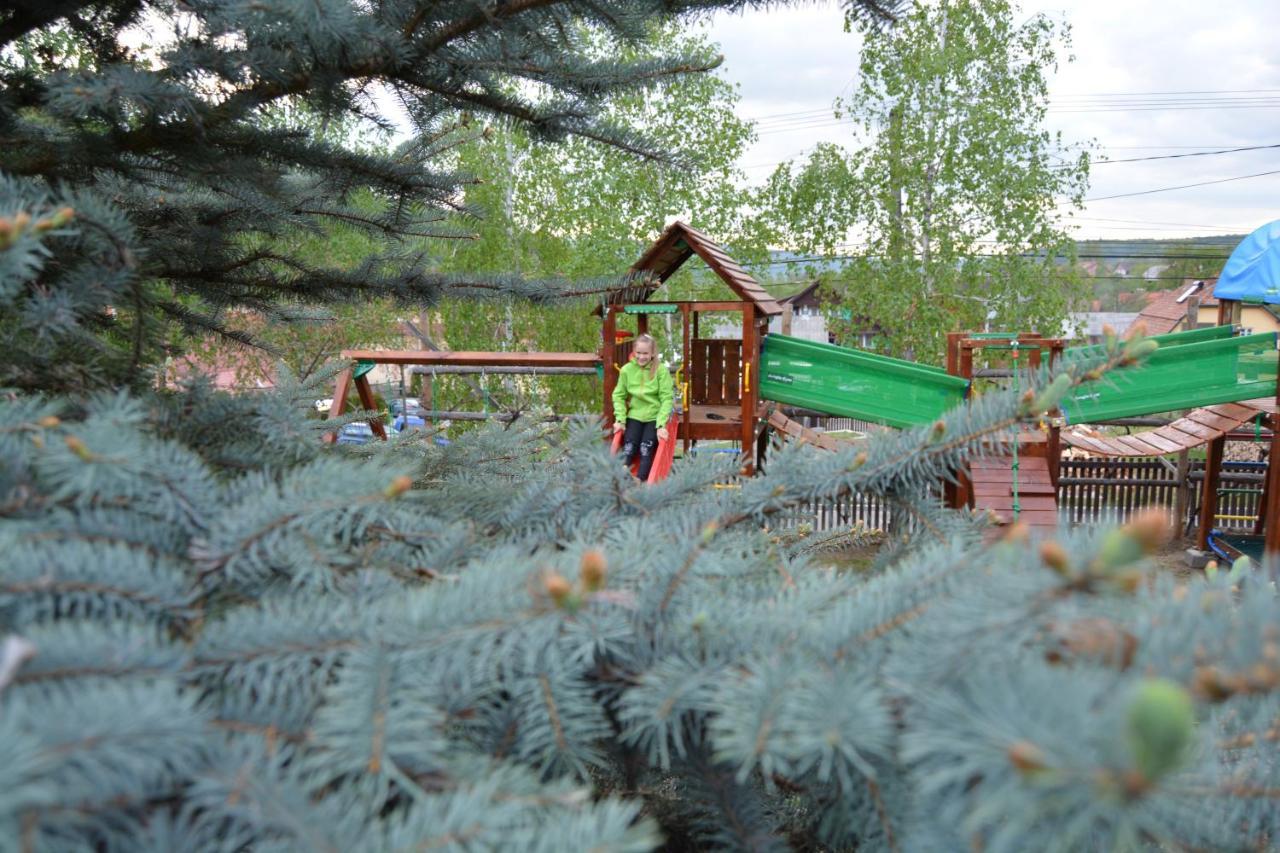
1092, 491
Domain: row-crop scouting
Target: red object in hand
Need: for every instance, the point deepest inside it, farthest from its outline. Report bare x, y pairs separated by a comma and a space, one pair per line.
662, 459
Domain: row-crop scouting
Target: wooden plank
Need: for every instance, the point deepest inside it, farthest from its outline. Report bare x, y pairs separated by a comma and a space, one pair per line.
1234, 410
1213, 421
1138, 445
715, 373
1032, 502
1153, 437
732, 371
698, 373
476, 359
989, 475
1202, 432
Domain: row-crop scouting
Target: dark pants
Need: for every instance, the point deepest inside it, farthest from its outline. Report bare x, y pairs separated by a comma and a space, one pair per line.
641, 437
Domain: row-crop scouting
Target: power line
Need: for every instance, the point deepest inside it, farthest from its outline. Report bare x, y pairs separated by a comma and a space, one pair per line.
1192, 154
1185, 186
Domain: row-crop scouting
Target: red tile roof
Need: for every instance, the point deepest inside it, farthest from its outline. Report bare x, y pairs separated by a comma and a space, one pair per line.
1164, 312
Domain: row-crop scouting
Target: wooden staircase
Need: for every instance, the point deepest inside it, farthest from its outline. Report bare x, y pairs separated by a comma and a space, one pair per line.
992, 483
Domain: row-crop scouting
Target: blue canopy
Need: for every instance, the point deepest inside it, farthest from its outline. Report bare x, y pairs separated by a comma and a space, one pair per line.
1252, 273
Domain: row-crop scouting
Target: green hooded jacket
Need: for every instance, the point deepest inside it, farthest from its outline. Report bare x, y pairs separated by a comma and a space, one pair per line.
651, 399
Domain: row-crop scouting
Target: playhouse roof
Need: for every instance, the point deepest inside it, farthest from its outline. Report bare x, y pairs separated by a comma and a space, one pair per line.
680, 241
1252, 273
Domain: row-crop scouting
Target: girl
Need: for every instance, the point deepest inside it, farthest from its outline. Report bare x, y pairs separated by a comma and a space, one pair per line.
648, 383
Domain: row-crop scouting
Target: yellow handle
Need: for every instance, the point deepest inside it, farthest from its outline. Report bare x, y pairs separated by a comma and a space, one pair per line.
684, 395
746, 376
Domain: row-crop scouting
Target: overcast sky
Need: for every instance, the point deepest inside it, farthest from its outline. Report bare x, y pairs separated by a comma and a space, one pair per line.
798, 60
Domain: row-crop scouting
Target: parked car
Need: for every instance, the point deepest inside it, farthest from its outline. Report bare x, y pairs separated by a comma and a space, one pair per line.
356, 433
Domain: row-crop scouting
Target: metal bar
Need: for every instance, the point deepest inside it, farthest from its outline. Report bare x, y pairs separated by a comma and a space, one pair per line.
468, 370
501, 416
479, 359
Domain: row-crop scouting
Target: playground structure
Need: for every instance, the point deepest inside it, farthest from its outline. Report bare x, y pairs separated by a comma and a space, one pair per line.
732, 388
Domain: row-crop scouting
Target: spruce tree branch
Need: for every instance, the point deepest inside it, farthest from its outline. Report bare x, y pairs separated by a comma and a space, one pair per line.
467, 25
553, 713
52, 585
882, 814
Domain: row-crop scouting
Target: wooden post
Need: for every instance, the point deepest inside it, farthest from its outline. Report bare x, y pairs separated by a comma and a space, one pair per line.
366, 400
788, 311
1209, 487
750, 365
1182, 498
953, 352
686, 360
1271, 489
608, 354
339, 402
427, 395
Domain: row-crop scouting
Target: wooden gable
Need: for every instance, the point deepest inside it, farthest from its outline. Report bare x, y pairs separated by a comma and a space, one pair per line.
679, 242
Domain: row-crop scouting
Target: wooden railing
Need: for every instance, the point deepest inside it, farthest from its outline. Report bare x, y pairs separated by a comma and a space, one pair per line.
716, 372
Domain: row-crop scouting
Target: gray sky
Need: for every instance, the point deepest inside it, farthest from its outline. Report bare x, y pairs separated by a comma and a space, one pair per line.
791, 63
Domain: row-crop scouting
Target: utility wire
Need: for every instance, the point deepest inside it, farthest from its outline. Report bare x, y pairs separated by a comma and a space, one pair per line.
1184, 186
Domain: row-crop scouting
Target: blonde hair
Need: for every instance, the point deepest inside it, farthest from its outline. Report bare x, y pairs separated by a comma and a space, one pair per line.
653, 350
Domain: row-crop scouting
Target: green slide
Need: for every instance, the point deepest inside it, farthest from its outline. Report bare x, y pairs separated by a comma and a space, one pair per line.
1196, 368
855, 384
1189, 370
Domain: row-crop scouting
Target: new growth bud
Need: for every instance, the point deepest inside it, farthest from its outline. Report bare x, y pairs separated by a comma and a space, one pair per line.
398, 486
79, 448
557, 587
1160, 729
592, 569
1055, 556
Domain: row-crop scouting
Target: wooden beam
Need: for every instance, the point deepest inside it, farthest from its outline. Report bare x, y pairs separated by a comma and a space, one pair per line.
1270, 510
750, 364
608, 355
367, 401
1209, 490
476, 359
340, 390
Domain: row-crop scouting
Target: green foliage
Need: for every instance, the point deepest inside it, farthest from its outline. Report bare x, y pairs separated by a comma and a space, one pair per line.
245, 640
192, 162
586, 211
953, 196
218, 633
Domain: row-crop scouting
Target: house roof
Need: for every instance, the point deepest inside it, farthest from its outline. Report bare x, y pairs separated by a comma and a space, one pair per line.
679, 242
1168, 308
805, 296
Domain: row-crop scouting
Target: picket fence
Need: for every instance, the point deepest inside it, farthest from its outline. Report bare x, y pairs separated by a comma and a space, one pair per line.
1090, 492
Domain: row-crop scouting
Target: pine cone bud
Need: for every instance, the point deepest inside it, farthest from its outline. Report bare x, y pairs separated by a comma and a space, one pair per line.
860, 459
398, 486
49, 422
556, 587
79, 448
1026, 757
1055, 556
709, 532
938, 431
63, 216
592, 569
1161, 727
21, 221
1150, 528
1017, 533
